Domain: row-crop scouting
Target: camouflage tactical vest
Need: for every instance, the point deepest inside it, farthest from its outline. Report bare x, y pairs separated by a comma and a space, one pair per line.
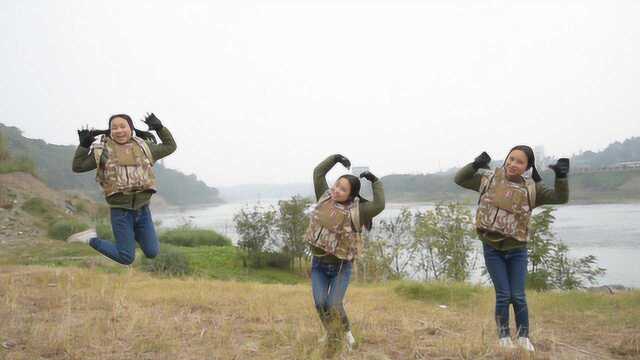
124, 168
336, 228
505, 207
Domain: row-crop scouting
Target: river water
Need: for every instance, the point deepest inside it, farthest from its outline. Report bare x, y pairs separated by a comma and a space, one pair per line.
610, 232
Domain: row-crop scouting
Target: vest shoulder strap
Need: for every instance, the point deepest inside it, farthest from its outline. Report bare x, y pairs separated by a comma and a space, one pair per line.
145, 148
98, 149
355, 215
487, 179
531, 189
324, 197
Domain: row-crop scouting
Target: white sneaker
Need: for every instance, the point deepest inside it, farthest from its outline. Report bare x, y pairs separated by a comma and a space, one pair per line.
506, 343
526, 344
83, 236
351, 341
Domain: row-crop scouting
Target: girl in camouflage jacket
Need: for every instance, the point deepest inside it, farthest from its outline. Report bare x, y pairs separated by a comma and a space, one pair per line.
506, 201
124, 160
334, 236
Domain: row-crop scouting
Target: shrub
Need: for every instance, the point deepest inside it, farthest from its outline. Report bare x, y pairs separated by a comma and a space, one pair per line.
191, 237
62, 229
170, 262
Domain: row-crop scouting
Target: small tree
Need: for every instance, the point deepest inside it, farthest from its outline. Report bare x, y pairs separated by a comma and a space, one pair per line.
443, 242
373, 264
395, 238
291, 225
4, 149
550, 265
255, 226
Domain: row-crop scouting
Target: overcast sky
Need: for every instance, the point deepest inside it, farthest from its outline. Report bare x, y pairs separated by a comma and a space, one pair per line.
260, 92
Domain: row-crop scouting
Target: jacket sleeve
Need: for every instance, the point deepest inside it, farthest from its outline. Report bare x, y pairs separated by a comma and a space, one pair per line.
166, 147
469, 178
558, 195
319, 180
370, 209
83, 160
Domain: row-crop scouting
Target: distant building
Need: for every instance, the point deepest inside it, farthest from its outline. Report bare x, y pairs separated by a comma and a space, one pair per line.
625, 165
357, 170
538, 152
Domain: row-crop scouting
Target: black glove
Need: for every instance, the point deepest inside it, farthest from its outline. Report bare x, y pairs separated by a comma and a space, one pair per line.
369, 176
153, 122
343, 160
482, 161
86, 138
561, 168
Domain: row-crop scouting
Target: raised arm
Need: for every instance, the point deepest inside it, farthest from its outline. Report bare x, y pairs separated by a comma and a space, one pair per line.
560, 193
319, 173
469, 177
83, 160
167, 144
369, 209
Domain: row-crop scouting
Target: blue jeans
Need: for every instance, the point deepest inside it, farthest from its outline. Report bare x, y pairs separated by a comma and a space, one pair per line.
128, 227
508, 271
329, 282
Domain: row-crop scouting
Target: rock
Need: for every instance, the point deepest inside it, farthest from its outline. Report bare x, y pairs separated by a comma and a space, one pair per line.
9, 344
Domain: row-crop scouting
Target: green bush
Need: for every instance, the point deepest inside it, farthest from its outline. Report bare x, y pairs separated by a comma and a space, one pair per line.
438, 292
38, 207
170, 262
538, 280
104, 230
191, 237
276, 260
21, 164
62, 229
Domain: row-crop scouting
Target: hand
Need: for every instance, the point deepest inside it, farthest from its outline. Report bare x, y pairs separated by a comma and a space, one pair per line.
482, 161
561, 168
86, 138
369, 176
153, 122
343, 160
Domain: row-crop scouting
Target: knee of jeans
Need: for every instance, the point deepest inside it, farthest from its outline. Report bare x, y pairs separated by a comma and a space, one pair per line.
152, 254
127, 258
502, 296
519, 297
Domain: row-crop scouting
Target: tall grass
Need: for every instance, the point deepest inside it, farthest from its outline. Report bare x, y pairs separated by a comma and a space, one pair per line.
84, 314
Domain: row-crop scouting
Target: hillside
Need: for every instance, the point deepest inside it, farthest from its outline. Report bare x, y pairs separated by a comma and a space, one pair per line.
627, 150
586, 187
53, 166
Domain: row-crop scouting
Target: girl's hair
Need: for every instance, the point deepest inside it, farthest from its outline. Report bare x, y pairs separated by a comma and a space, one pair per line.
145, 135
531, 160
354, 181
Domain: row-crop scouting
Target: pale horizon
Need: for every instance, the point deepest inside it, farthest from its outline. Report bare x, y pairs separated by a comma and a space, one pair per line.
259, 92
